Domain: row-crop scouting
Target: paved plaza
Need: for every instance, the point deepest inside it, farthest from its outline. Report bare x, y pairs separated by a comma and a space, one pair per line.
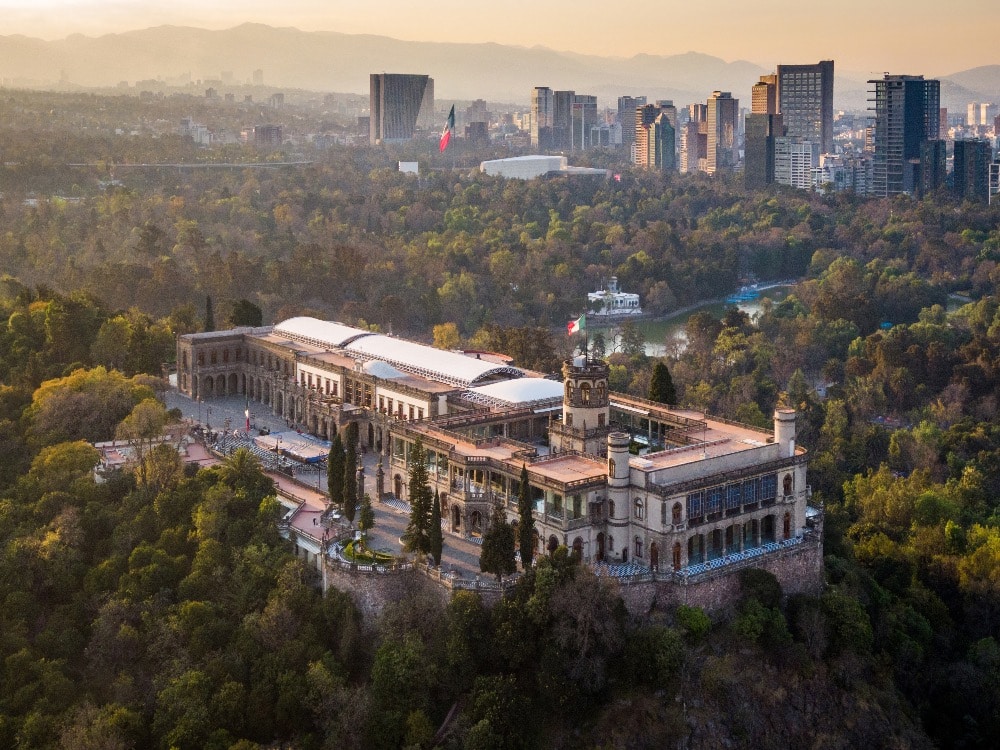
228, 414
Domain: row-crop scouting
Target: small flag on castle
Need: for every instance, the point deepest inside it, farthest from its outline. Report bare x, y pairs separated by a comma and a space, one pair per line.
448, 128
575, 326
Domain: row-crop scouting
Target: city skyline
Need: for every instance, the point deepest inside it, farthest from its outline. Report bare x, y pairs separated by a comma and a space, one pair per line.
927, 41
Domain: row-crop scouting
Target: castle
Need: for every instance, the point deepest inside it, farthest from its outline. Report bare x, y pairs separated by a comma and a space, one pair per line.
706, 496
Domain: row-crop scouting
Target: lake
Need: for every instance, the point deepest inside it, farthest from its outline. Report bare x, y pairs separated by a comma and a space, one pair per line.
670, 328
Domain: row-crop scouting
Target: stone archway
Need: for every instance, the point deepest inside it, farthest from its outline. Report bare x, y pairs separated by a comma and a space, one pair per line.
476, 522
578, 548
371, 435
654, 556
233, 386
600, 547
456, 518
677, 556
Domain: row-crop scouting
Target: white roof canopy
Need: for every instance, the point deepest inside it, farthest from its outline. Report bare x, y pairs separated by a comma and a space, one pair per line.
452, 368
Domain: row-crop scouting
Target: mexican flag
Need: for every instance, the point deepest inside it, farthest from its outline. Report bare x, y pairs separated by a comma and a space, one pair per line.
575, 326
448, 128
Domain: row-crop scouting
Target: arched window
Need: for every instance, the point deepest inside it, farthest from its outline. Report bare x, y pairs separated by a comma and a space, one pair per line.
787, 485
611, 508
569, 392
663, 513
585, 394
602, 390
215, 357
676, 514
201, 358
638, 546
638, 508
225, 355
611, 467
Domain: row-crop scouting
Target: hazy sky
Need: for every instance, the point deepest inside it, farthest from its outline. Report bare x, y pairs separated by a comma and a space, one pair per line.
901, 36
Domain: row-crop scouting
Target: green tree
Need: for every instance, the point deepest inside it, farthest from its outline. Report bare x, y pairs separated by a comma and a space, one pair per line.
335, 471
661, 385
525, 521
245, 313
416, 538
436, 537
142, 429
497, 556
351, 471
633, 342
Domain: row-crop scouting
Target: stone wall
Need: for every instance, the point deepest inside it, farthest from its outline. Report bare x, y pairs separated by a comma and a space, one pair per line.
799, 570
371, 592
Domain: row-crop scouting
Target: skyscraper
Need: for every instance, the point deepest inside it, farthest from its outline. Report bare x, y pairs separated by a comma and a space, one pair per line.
723, 145
758, 159
627, 106
805, 101
562, 120
694, 139
906, 116
972, 170
541, 117
656, 136
764, 96
395, 100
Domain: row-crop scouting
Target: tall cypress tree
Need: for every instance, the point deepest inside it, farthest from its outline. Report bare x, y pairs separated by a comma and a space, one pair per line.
335, 471
366, 520
416, 538
209, 315
497, 556
661, 385
436, 537
351, 471
526, 521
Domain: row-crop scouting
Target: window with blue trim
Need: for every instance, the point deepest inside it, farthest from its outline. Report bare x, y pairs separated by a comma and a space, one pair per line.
714, 504
751, 491
694, 501
733, 496
769, 487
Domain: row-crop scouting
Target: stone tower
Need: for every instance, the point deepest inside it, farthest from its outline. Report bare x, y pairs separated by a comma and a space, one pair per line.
585, 422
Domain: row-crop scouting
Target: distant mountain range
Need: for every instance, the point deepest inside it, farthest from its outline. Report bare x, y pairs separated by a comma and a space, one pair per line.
335, 62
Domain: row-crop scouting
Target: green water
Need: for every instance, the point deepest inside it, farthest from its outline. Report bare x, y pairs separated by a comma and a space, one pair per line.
666, 335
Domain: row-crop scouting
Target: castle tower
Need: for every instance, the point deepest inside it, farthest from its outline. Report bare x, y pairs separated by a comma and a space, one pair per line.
784, 431
585, 407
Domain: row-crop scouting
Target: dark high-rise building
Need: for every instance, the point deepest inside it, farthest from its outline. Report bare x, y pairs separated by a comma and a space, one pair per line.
723, 124
583, 119
627, 106
932, 166
395, 100
805, 102
758, 158
562, 120
972, 170
906, 116
541, 117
